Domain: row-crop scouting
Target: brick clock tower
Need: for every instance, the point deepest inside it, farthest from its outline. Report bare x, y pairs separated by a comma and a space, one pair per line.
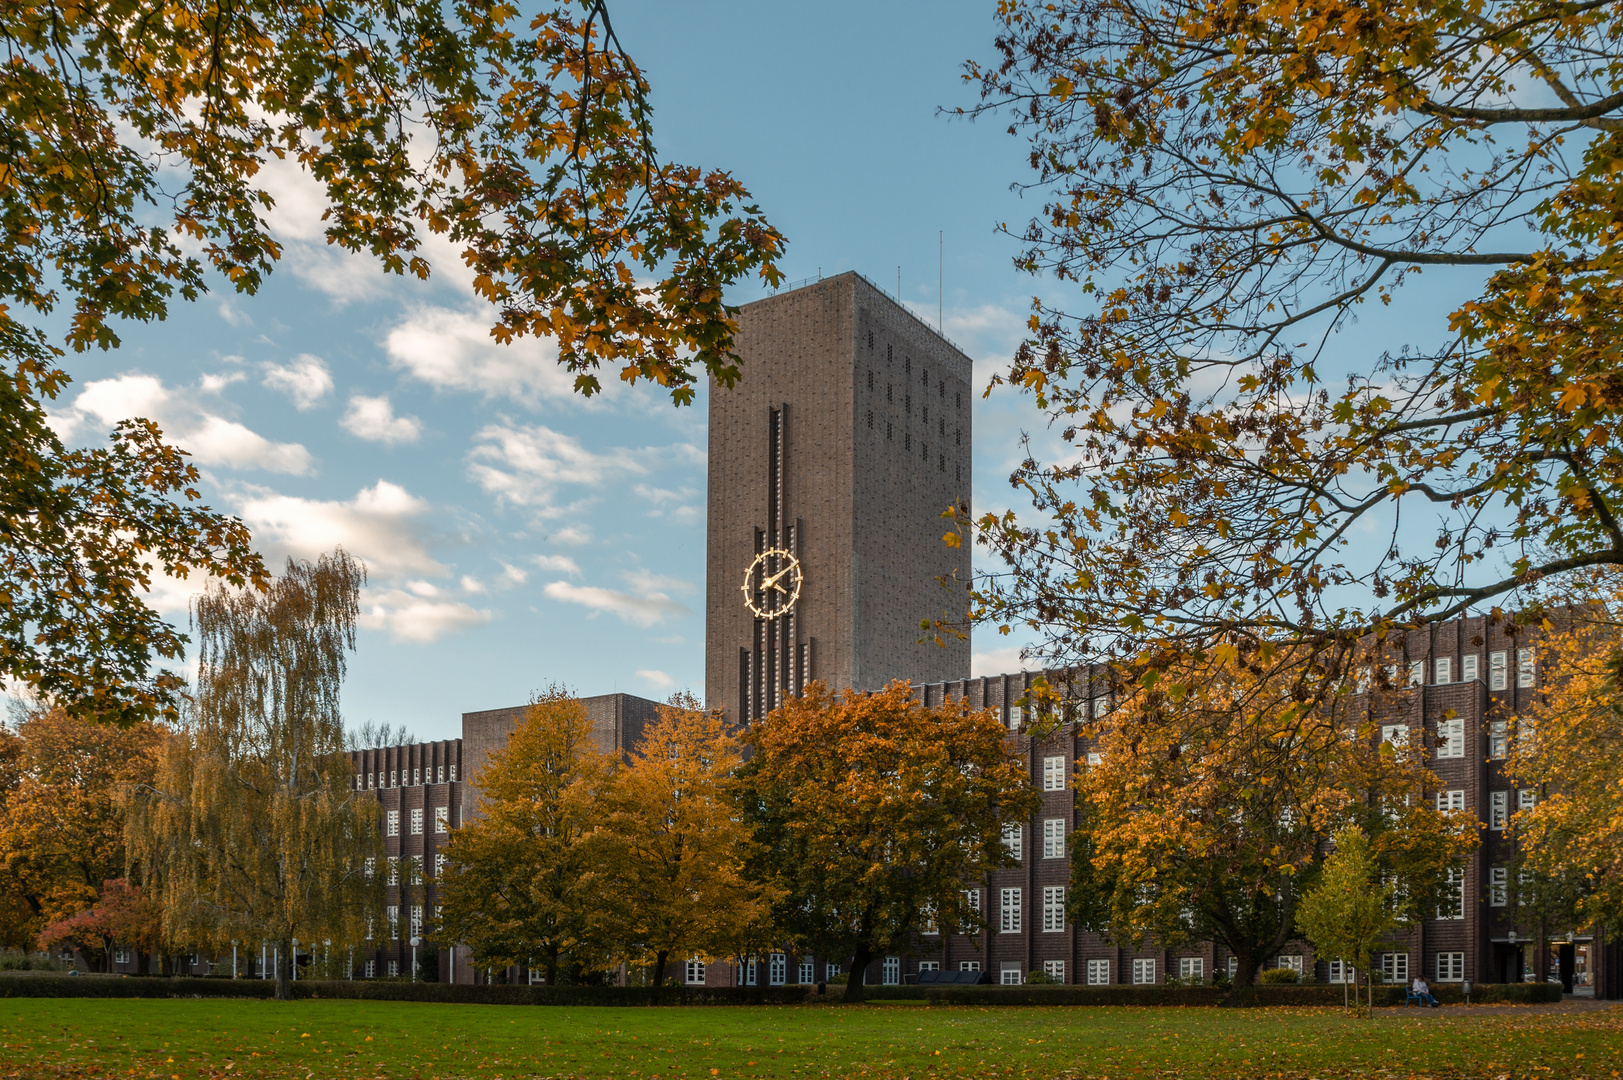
830, 465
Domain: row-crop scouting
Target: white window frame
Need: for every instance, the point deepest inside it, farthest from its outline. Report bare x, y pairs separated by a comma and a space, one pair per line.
1017, 716
1192, 967
1289, 962
1443, 668
1098, 972
1417, 673
1497, 670
1010, 973
1470, 667
394, 870
394, 968
1395, 967
371, 969
1498, 810
1009, 911
890, 972
1053, 838
453, 772
1095, 758
1143, 971
1053, 909
391, 915
929, 965
693, 973
1526, 668
777, 969
442, 819
417, 920
807, 972
1450, 967
1014, 840
1342, 972
1396, 734
1452, 905
1451, 737
391, 823
1054, 969
1526, 799
1054, 774
417, 821
1498, 886
969, 965
1453, 799
1498, 739
973, 899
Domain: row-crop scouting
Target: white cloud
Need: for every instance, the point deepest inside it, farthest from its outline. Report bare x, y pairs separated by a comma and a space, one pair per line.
373, 419
214, 384
657, 679
234, 315
1000, 661
209, 438
306, 380
378, 526
643, 581
512, 575
407, 616
558, 564
572, 537
526, 466
453, 350
637, 610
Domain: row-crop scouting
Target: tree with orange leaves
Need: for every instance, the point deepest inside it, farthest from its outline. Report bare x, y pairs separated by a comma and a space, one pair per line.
871, 814
1207, 807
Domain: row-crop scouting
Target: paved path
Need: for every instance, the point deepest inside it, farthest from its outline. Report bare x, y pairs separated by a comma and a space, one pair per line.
1565, 1005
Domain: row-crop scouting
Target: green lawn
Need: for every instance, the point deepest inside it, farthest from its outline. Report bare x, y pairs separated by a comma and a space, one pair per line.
402, 1041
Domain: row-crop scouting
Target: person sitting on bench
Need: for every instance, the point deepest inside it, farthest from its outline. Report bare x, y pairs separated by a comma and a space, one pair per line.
1421, 992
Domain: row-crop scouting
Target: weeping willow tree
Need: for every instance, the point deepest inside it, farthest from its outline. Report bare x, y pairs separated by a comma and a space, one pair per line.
250, 831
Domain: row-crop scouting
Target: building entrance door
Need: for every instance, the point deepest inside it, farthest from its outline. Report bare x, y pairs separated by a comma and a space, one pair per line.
1562, 956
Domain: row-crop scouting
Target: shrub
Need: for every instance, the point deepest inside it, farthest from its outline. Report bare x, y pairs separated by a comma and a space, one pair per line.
1041, 978
1280, 977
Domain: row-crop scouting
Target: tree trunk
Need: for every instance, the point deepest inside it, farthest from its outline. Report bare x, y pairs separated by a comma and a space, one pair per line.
284, 968
661, 958
855, 991
552, 966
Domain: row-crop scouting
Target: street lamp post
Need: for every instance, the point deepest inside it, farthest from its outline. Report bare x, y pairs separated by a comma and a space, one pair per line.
414, 958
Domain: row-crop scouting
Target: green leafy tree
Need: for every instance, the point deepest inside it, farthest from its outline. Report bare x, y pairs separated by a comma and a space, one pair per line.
1349, 911
519, 885
135, 151
251, 829
871, 814
671, 850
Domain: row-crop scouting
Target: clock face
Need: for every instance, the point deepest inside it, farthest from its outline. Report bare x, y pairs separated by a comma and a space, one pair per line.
772, 583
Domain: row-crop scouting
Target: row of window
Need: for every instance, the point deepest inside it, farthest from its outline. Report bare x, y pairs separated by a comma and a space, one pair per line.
414, 869
442, 821
924, 375
1470, 670
391, 918
1014, 839
404, 778
1097, 707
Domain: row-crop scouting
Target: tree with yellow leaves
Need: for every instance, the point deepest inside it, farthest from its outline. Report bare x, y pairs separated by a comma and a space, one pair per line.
251, 829
519, 884
871, 814
62, 779
670, 854
1567, 742
1229, 187
1213, 795
138, 150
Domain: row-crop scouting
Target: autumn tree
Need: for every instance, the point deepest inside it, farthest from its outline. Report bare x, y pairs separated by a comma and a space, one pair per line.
519, 886
1209, 803
1227, 188
871, 814
1566, 745
669, 856
61, 815
138, 145
1350, 910
251, 829
122, 915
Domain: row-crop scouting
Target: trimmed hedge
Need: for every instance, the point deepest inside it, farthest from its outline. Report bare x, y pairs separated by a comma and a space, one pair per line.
103, 986
1250, 997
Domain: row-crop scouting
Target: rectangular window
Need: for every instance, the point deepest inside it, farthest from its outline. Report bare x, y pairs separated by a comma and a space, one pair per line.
360, 782
1143, 972
394, 968
1053, 909
1098, 972
441, 776
417, 821
416, 777
1468, 667
1496, 671
1452, 904
929, 965
1095, 758
1014, 840
417, 920
393, 781
830, 971
927, 919
973, 898
1017, 716
890, 972
1526, 674
391, 826
1054, 838
1191, 967
1010, 973
371, 969
777, 969
1498, 740
1451, 800
1342, 972
416, 869
370, 867
1417, 673
121, 956
808, 971
1396, 734
439, 865
442, 819
1053, 774
1395, 967
394, 870
1526, 799
1009, 912
1451, 738
749, 972
1450, 967
369, 779
694, 976
1445, 669
1498, 809
1498, 886
1289, 962
1054, 969
391, 915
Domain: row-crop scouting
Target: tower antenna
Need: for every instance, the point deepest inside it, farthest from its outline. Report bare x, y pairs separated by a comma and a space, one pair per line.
940, 276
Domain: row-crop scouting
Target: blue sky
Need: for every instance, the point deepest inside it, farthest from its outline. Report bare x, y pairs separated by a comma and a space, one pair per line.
516, 535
